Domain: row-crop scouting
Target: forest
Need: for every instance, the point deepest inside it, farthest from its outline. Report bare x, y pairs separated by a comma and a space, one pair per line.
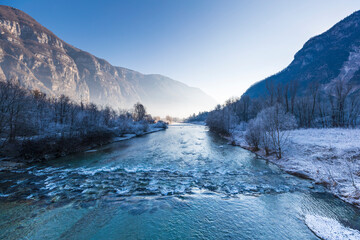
266, 119
35, 126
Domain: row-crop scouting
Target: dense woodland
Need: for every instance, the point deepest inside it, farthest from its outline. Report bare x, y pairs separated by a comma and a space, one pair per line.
266, 119
33, 125
200, 117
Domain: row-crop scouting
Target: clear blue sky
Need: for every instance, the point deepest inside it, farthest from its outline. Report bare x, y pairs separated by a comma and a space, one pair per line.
221, 46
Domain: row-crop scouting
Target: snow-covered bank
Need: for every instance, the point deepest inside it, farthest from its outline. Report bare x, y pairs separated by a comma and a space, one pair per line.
201, 123
330, 229
131, 135
328, 156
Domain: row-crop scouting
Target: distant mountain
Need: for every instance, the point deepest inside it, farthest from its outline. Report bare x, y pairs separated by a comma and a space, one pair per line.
40, 60
323, 59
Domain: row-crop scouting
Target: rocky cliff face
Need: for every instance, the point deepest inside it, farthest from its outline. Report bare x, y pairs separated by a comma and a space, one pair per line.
40, 60
324, 59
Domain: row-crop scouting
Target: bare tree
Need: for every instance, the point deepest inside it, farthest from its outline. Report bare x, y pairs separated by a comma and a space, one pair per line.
338, 96
271, 91
169, 119
107, 115
253, 134
139, 112
293, 88
275, 123
354, 108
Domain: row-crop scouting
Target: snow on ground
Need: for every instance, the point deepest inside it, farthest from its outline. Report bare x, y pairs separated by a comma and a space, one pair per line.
330, 229
202, 123
130, 135
328, 156
124, 137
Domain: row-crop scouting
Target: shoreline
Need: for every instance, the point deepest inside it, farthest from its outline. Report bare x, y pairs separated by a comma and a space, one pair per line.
14, 163
299, 174
133, 135
325, 165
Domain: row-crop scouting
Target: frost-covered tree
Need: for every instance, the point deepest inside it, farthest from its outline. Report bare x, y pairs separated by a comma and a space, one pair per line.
253, 134
270, 129
344, 99
13, 106
139, 112
275, 123
25, 114
217, 120
169, 119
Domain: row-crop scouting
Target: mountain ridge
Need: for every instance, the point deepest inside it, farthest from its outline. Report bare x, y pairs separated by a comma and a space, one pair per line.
329, 56
36, 57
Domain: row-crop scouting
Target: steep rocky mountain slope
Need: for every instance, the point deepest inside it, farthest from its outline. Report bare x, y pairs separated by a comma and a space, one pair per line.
333, 55
40, 60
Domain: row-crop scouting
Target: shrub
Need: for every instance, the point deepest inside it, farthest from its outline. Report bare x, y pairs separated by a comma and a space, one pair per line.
160, 124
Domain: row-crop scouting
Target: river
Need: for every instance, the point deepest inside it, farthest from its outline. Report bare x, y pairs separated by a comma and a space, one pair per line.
182, 183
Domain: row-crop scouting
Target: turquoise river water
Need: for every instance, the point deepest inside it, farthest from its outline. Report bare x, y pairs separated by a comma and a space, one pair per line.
182, 183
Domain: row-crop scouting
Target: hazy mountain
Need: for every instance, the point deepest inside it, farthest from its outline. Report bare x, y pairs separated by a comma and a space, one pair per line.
332, 55
40, 60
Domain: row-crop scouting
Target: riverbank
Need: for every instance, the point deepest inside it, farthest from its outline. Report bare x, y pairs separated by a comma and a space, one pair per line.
330, 157
10, 163
201, 123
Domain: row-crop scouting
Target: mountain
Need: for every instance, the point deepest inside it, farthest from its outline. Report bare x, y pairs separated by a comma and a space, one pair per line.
333, 55
40, 60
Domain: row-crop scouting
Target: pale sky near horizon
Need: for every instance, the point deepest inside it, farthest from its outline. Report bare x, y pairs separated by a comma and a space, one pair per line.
222, 47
